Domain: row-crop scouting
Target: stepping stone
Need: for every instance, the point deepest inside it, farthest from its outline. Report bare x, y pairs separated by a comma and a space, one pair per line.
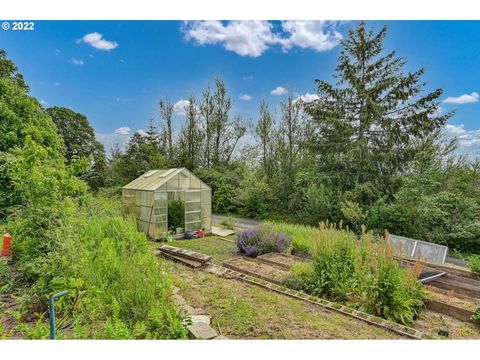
188, 309
201, 318
221, 337
179, 300
201, 331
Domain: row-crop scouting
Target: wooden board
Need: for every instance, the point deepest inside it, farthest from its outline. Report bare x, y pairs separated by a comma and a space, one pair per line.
450, 310
281, 260
188, 262
184, 253
221, 231
256, 268
458, 284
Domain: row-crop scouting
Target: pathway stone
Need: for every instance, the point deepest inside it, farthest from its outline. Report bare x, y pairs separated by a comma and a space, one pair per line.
201, 331
188, 309
221, 337
179, 300
201, 318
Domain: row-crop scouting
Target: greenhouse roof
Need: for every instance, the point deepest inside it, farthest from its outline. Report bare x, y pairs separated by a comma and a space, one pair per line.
154, 179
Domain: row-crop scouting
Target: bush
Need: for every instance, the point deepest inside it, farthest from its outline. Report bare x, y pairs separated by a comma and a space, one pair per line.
362, 273
261, 240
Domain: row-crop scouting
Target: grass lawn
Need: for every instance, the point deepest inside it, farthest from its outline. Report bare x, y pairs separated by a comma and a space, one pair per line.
243, 311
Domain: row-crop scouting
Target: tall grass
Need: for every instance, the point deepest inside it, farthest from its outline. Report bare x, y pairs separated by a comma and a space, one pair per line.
300, 235
360, 272
116, 287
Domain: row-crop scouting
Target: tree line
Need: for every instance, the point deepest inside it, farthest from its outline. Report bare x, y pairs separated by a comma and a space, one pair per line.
367, 150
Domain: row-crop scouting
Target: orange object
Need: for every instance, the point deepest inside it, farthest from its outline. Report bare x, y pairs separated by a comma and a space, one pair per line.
7, 245
201, 233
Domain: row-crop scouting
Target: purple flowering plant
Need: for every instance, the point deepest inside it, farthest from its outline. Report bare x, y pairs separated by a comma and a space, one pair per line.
261, 240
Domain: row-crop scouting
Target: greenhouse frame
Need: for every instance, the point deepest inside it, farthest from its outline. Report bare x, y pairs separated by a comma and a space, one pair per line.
149, 197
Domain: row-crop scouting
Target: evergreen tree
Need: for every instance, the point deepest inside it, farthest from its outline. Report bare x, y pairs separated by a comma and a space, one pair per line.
376, 118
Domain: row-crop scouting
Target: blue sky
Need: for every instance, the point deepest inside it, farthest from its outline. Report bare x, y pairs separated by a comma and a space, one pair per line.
116, 71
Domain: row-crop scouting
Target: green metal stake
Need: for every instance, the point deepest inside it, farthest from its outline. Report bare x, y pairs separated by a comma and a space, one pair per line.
51, 301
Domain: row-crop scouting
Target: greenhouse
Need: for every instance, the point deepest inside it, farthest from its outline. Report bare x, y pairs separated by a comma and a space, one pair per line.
168, 200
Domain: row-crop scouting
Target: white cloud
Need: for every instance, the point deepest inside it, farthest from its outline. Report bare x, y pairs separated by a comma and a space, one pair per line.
180, 106
245, 97
97, 41
246, 38
56, 84
43, 102
317, 35
110, 139
248, 77
141, 132
468, 140
463, 99
279, 90
124, 130
253, 38
76, 61
58, 51
306, 98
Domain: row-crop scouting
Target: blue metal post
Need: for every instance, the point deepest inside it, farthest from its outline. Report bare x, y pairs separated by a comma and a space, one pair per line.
51, 301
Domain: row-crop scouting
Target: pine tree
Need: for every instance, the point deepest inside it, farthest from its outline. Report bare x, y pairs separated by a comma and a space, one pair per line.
376, 118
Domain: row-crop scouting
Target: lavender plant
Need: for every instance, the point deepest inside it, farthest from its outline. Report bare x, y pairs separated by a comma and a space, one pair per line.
261, 240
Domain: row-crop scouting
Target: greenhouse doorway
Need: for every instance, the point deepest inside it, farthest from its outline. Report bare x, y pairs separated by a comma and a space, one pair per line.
176, 212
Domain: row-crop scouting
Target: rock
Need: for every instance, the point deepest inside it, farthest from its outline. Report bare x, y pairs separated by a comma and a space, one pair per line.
221, 337
188, 309
201, 318
176, 290
201, 331
443, 331
179, 300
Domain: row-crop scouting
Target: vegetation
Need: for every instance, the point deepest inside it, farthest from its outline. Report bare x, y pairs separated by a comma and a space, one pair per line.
300, 235
367, 149
176, 214
261, 240
474, 263
65, 239
242, 311
362, 273
80, 144
229, 223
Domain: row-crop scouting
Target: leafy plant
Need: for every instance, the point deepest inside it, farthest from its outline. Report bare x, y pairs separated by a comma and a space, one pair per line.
476, 315
176, 214
474, 263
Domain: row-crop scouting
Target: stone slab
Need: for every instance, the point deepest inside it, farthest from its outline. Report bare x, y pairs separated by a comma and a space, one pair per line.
201, 331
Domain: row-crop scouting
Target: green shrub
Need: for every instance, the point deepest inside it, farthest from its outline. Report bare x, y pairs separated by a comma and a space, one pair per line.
362, 273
